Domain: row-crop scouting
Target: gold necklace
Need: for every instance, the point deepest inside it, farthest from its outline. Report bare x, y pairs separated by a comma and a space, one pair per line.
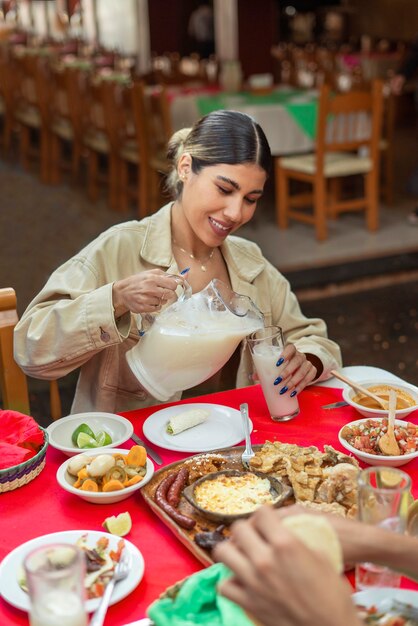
202, 263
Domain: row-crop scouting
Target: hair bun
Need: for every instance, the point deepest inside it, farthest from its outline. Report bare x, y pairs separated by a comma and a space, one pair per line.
176, 144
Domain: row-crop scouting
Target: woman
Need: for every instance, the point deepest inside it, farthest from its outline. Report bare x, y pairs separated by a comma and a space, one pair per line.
83, 315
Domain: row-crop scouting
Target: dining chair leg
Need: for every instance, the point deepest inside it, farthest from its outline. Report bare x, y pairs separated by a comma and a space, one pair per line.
76, 159
24, 145
372, 200
282, 197
334, 194
143, 191
114, 183
55, 159
92, 171
320, 209
124, 186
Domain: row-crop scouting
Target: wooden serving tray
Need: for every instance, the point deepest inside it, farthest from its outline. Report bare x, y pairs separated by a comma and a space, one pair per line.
233, 461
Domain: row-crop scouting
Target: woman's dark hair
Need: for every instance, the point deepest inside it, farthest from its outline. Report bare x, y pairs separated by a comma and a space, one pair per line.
227, 137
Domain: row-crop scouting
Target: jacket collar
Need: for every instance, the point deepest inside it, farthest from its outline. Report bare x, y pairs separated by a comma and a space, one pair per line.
243, 264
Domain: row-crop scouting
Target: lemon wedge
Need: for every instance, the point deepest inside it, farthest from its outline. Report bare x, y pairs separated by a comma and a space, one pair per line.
119, 525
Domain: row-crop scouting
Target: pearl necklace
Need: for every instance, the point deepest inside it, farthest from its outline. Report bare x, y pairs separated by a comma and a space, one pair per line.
202, 263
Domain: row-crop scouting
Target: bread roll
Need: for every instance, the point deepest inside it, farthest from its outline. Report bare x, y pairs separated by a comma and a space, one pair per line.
186, 419
317, 533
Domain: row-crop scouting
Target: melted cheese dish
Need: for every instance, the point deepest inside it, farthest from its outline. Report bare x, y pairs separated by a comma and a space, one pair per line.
233, 495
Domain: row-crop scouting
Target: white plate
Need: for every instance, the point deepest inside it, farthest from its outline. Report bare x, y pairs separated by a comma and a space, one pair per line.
11, 565
222, 429
382, 597
362, 372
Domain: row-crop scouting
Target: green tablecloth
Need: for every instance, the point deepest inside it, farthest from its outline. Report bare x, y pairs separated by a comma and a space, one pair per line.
302, 106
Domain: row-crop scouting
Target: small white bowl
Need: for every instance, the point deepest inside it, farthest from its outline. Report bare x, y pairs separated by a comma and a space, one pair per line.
66, 480
119, 428
349, 394
376, 459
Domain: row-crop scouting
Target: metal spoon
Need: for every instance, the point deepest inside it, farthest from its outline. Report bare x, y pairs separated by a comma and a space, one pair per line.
248, 452
387, 442
357, 387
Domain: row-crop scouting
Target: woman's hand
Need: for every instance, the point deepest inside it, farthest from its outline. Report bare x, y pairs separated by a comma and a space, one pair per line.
145, 292
278, 580
294, 371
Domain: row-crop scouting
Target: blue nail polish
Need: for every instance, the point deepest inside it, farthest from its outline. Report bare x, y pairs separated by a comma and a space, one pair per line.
183, 272
278, 380
294, 392
283, 390
141, 333
280, 361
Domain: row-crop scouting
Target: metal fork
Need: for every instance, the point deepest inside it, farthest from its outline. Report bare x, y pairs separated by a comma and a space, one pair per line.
248, 452
121, 571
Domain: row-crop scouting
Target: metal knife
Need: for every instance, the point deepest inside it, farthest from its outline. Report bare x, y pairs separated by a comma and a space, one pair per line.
154, 455
335, 405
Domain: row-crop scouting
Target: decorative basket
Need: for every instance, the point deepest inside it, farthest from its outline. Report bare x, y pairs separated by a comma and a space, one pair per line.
19, 475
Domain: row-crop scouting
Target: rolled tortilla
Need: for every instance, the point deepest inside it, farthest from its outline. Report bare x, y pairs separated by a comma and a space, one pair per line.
185, 420
317, 534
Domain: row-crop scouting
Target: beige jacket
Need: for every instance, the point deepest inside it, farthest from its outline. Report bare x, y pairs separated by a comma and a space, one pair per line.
71, 323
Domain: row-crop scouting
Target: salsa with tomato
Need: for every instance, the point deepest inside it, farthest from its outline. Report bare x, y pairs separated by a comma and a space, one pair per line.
365, 436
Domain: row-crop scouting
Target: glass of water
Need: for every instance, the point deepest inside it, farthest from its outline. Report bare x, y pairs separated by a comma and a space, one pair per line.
383, 497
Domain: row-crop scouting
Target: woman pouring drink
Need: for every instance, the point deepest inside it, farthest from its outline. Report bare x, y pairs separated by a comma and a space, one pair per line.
88, 312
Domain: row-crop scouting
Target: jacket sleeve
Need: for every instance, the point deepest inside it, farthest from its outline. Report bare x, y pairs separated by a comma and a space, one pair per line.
69, 321
308, 334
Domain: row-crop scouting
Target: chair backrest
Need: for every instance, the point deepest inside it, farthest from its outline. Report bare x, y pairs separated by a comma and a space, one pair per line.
350, 121
152, 119
13, 382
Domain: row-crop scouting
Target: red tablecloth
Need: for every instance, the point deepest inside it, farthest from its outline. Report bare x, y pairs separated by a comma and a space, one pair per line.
42, 507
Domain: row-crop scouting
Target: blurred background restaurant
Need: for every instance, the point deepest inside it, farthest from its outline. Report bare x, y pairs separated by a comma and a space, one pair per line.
90, 90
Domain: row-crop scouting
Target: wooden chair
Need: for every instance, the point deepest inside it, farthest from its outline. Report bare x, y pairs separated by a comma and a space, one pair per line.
7, 97
347, 144
387, 147
66, 119
13, 382
32, 110
152, 121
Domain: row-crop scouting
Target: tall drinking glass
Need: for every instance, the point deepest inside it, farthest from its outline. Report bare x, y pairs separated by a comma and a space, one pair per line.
266, 346
383, 498
55, 577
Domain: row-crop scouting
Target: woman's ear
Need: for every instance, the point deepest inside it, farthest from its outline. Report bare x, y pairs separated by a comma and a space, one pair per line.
184, 166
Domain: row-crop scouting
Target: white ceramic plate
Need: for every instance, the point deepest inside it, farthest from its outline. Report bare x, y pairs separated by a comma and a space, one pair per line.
222, 429
12, 564
382, 597
361, 372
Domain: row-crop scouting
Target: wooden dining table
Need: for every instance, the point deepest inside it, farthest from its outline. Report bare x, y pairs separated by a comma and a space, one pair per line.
42, 507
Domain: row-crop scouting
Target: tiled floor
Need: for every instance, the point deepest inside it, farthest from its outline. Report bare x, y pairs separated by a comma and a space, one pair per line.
364, 284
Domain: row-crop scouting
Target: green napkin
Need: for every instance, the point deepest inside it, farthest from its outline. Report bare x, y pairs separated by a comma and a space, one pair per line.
197, 602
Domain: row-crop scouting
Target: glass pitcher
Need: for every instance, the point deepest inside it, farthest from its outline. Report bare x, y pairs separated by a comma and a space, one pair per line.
192, 339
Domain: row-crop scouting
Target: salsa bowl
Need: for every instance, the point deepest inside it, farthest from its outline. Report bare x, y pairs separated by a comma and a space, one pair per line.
365, 433
408, 397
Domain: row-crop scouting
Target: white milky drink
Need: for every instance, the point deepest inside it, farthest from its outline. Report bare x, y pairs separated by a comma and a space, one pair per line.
58, 608
265, 357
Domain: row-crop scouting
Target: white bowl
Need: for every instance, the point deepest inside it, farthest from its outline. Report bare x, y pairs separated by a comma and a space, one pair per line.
349, 394
66, 481
119, 428
376, 459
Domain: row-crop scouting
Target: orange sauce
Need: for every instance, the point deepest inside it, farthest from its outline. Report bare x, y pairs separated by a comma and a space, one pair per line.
403, 399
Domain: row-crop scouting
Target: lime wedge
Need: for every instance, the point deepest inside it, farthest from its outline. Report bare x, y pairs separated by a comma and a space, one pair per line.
119, 525
103, 438
83, 428
85, 441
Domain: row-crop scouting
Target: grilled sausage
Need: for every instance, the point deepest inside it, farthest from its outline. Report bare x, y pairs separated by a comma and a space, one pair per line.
174, 492
161, 499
